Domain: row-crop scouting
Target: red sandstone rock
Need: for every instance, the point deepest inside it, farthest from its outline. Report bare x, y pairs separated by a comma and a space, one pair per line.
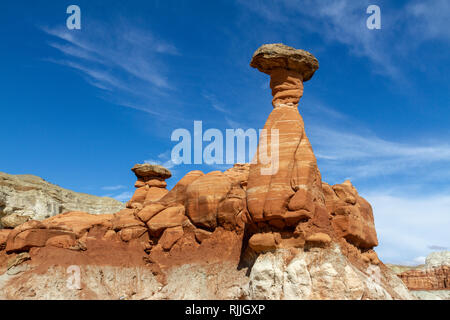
156, 183
4, 233
150, 185
125, 219
261, 242
78, 222
130, 233
201, 235
228, 211
139, 196
168, 218
139, 184
319, 238
293, 190
203, 197
170, 236
30, 238
352, 217
437, 278
65, 241
149, 211
238, 174
154, 194
178, 194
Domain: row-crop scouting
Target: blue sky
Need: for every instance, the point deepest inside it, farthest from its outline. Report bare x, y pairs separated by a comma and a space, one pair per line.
79, 108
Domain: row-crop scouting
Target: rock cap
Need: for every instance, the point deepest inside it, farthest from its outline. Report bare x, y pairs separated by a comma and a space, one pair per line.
147, 170
279, 56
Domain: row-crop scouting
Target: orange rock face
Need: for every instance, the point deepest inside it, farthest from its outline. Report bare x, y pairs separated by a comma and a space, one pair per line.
204, 196
292, 192
352, 216
150, 184
429, 279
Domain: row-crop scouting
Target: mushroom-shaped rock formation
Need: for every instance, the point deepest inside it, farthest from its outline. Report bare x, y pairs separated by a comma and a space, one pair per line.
151, 184
148, 171
292, 193
279, 56
288, 69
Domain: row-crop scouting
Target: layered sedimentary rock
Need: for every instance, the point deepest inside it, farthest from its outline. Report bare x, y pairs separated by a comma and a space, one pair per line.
25, 197
434, 275
150, 184
265, 230
288, 186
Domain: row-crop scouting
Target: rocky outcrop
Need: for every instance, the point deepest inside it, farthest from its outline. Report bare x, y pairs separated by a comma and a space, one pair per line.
438, 259
150, 184
25, 197
436, 278
434, 275
320, 274
265, 230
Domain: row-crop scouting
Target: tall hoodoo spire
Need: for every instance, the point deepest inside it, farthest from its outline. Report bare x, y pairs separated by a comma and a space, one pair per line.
294, 192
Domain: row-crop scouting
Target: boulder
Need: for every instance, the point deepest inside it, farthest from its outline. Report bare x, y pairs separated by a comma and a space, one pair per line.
28, 239
178, 193
351, 215
78, 222
168, 218
65, 241
262, 242
154, 194
203, 197
275, 56
125, 219
13, 220
148, 171
170, 236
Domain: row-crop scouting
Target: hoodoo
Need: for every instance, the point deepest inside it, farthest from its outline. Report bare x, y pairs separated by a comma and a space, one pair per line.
294, 192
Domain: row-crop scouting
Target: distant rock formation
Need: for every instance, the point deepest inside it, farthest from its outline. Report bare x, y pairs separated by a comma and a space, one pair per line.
430, 281
238, 234
25, 197
434, 275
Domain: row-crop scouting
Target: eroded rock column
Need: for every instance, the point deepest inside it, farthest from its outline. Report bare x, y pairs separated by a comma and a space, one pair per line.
293, 193
151, 184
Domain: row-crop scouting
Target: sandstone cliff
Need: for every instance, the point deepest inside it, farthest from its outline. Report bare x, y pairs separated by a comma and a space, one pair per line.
429, 281
250, 232
25, 197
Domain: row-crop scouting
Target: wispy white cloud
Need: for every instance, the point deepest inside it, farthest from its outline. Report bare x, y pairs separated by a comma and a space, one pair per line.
215, 103
124, 61
407, 224
344, 22
430, 17
123, 196
347, 148
366, 155
113, 188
